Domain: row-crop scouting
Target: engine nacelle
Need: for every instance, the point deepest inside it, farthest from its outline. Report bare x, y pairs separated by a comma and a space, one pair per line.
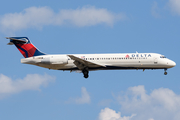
55, 60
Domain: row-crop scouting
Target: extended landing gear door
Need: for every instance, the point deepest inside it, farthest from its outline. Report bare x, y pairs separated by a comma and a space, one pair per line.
155, 60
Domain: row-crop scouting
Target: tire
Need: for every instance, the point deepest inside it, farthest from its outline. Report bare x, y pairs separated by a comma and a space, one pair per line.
85, 72
86, 76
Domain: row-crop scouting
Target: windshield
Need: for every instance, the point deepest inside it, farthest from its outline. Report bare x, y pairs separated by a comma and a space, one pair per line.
162, 56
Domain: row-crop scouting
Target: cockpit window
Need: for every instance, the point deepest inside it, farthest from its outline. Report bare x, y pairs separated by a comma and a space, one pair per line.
162, 56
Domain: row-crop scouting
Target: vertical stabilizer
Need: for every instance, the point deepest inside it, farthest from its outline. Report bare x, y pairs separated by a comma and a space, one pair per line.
24, 45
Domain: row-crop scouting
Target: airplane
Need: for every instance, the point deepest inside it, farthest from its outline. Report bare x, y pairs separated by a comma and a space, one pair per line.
89, 62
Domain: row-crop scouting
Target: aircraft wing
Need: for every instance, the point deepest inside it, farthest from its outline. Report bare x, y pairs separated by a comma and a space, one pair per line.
81, 63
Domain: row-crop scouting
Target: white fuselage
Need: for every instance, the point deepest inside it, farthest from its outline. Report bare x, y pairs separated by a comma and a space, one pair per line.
110, 61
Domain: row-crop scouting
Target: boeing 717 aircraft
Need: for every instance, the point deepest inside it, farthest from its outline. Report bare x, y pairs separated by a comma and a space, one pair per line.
89, 62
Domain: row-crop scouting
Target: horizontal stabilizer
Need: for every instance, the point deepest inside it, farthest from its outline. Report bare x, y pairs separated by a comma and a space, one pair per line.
10, 43
23, 40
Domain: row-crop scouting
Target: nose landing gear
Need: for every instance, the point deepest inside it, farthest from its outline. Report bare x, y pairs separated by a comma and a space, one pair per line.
165, 73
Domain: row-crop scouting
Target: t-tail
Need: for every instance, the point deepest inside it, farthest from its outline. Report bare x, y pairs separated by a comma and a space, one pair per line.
24, 45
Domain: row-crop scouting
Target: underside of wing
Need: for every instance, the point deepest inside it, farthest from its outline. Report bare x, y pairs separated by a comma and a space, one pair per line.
81, 63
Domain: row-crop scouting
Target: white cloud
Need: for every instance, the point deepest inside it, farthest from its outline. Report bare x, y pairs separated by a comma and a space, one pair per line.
151, 119
30, 82
85, 98
109, 114
161, 103
37, 17
30, 17
175, 6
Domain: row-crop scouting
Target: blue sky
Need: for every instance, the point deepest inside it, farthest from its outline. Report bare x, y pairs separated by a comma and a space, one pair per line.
78, 27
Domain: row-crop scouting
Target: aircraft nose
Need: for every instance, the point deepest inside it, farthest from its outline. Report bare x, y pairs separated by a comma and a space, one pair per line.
171, 63
174, 64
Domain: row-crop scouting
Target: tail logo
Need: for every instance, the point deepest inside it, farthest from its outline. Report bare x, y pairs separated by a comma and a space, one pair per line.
24, 45
27, 50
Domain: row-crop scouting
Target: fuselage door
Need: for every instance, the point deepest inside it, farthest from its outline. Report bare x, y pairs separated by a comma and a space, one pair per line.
155, 60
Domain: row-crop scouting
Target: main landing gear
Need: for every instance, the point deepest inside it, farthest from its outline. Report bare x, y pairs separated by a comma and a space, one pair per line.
85, 72
165, 73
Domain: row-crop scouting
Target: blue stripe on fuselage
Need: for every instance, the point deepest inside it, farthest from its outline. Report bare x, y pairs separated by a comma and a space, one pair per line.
112, 68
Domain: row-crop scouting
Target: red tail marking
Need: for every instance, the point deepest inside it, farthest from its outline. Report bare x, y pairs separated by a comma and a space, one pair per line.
29, 48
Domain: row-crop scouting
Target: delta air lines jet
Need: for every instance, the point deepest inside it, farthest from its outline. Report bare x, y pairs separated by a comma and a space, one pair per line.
89, 62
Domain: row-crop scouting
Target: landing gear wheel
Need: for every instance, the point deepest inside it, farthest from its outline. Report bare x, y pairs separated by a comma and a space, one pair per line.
85, 72
165, 73
86, 76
